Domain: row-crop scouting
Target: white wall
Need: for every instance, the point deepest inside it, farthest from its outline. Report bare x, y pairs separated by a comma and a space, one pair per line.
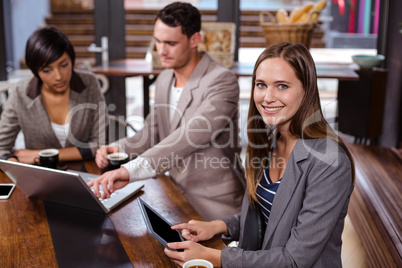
26, 17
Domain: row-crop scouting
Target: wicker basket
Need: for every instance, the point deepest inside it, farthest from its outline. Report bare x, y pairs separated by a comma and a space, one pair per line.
286, 32
221, 50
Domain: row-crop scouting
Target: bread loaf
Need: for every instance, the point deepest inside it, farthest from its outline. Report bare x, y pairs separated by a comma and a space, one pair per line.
319, 6
282, 16
298, 12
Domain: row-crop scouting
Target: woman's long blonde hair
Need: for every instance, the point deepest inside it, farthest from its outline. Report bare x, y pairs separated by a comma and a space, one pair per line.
307, 123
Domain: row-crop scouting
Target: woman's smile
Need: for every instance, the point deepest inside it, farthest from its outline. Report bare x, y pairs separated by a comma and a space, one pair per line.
272, 110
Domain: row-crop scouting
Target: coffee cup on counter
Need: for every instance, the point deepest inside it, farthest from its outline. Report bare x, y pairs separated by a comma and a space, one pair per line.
117, 159
198, 263
48, 158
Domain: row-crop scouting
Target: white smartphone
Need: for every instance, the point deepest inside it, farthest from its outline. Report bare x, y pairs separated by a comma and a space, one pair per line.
6, 189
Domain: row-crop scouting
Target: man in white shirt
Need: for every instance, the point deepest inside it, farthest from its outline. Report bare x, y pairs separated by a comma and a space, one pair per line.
192, 129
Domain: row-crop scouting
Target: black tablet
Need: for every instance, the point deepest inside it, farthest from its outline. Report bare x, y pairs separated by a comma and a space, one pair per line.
158, 226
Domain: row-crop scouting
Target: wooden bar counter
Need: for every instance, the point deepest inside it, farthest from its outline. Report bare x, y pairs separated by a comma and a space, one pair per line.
26, 240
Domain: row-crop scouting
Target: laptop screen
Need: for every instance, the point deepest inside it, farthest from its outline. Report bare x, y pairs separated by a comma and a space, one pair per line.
52, 185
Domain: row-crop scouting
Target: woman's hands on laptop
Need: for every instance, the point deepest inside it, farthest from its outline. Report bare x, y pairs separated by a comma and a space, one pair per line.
110, 182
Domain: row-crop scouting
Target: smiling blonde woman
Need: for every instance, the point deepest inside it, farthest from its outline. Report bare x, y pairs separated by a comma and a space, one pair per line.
298, 191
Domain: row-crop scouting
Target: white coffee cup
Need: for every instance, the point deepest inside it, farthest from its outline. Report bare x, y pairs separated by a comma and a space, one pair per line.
198, 263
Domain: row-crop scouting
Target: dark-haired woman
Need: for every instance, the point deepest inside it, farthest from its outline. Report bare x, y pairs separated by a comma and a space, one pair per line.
299, 176
58, 107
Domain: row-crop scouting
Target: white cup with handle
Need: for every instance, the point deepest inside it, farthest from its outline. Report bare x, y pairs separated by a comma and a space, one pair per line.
198, 263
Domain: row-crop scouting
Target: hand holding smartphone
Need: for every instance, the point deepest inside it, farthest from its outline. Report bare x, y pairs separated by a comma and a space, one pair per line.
6, 189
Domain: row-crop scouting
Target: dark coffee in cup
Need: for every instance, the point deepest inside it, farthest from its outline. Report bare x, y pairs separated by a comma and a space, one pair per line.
47, 154
48, 158
117, 159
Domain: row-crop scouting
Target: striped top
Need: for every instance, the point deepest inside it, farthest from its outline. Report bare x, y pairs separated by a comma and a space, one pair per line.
266, 191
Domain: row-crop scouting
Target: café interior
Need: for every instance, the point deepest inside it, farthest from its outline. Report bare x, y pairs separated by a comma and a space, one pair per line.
113, 39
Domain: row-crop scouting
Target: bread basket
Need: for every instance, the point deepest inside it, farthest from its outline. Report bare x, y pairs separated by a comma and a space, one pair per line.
275, 32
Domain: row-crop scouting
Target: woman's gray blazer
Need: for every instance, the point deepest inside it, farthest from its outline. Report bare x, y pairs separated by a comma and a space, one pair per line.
307, 216
25, 111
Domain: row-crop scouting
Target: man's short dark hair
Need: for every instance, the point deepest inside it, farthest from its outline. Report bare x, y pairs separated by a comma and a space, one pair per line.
45, 46
181, 14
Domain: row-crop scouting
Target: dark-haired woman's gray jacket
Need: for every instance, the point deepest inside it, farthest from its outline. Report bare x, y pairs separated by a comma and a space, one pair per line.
307, 216
24, 110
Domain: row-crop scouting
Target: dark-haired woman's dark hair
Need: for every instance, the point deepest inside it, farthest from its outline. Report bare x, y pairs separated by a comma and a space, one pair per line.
181, 14
45, 46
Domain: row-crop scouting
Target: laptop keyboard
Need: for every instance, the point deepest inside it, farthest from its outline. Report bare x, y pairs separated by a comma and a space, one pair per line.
103, 201
107, 199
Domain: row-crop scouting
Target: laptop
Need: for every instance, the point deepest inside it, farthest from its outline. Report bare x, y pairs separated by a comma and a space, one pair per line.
64, 187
